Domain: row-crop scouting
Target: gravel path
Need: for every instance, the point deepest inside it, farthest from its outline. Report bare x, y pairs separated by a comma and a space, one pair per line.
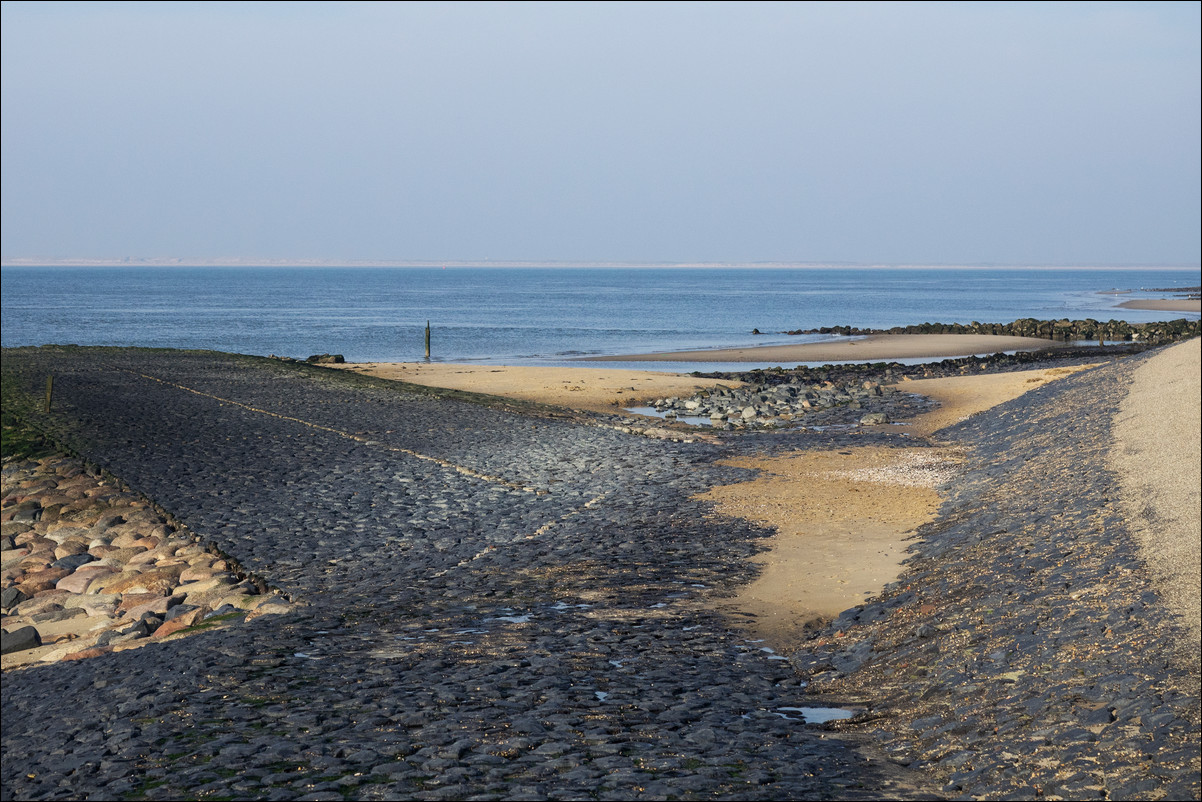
502, 605
495, 606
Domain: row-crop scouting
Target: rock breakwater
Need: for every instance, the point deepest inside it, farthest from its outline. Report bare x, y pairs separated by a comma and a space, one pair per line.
888, 373
791, 403
1063, 330
89, 568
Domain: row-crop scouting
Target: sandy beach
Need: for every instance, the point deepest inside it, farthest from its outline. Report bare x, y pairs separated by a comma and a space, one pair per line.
593, 389
1165, 305
875, 347
610, 389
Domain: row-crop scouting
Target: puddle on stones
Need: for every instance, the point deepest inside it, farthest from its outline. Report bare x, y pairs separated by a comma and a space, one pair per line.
652, 412
778, 425
815, 715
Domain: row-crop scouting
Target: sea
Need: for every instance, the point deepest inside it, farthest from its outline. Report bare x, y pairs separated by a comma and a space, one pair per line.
545, 315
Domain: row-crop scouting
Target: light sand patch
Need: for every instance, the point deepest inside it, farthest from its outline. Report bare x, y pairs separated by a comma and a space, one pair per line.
1165, 305
872, 348
842, 519
596, 389
961, 397
1157, 455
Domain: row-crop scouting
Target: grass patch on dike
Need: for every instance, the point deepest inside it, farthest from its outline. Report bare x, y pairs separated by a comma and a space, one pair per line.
19, 438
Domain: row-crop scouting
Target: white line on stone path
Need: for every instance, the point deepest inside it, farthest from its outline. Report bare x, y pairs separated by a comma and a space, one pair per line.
542, 530
437, 460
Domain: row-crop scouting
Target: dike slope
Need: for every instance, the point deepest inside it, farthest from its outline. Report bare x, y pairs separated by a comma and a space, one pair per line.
1027, 649
492, 604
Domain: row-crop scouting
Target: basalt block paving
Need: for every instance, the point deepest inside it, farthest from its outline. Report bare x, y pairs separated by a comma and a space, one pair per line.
496, 601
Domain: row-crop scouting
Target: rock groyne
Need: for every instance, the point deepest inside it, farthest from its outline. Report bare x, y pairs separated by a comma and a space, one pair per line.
1063, 330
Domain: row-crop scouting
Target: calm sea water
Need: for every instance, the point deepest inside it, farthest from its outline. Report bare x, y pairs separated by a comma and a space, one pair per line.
529, 315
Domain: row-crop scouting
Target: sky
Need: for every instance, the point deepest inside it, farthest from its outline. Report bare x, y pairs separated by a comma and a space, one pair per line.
976, 133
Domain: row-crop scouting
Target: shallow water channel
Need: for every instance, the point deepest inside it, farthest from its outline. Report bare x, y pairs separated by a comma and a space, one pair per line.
652, 412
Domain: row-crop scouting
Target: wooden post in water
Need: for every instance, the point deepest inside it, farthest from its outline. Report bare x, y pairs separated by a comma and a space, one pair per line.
49, 392
427, 339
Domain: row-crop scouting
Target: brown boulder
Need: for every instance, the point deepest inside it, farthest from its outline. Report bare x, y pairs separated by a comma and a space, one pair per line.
159, 606
66, 530
272, 606
78, 582
155, 580
52, 513
161, 555
84, 654
131, 600
34, 582
37, 543
69, 548
124, 555
182, 621
35, 562
126, 539
196, 573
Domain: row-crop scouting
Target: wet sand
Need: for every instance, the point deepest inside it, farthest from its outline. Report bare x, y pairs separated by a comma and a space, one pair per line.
844, 517
1165, 305
960, 397
871, 348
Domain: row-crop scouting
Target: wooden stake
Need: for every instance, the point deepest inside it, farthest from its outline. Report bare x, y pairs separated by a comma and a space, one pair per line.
427, 339
49, 392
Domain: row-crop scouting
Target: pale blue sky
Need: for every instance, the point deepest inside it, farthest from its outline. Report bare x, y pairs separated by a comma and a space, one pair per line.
945, 133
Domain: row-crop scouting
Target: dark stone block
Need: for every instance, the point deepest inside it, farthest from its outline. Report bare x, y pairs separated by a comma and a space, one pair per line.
11, 597
73, 561
19, 640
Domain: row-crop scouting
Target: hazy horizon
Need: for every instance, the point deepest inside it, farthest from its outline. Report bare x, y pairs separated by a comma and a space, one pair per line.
848, 134
520, 263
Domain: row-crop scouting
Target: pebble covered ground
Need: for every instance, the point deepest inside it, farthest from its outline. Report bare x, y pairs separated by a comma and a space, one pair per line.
498, 602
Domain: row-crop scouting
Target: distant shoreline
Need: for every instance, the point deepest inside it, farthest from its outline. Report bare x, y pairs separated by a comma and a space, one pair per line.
485, 263
872, 347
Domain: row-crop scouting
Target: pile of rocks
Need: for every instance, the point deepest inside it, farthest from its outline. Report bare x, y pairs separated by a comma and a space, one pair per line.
325, 359
87, 568
764, 405
1063, 330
